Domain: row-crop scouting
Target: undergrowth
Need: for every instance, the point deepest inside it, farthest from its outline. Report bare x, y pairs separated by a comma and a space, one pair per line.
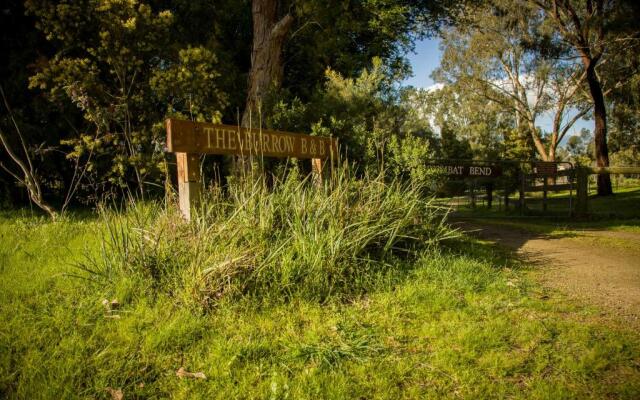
295, 239
290, 292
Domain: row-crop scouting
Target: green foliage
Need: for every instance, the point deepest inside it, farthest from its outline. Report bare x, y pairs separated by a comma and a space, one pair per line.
113, 62
463, 116
580, 148
346, 36
408, 158
293, 241
469, 326
189, 86
357, 111
377, 125
107, 52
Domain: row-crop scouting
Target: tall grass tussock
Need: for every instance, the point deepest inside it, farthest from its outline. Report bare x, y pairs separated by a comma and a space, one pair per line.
294, 239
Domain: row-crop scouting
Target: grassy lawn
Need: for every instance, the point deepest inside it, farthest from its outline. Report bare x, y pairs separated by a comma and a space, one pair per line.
616, 213
462, 322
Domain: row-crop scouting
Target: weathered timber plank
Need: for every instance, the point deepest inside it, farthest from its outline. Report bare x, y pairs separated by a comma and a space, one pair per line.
207, 138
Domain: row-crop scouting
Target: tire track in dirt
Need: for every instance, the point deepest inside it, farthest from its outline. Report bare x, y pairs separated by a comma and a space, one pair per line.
596, 266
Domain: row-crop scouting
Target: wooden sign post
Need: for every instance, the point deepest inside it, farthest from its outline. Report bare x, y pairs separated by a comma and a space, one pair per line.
190, 139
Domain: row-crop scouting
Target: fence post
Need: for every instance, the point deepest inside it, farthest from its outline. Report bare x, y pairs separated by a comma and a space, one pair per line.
473, 194
316, 170
188, 182
545, 189
582, 191
521, 192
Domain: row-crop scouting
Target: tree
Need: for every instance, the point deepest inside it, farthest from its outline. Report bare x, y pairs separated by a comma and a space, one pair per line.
589, 28
113, 63
490, 57
310, 36
578, 146
483, 125
269, 33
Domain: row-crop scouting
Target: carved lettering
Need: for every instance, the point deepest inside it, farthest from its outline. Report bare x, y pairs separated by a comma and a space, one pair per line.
195, 137
312, 148
289, 144
231, 141
266, 143
220, 138
208, 131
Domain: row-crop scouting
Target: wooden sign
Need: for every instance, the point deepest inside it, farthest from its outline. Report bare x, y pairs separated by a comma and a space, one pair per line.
544, 168
190, 139
467, 170
206, 138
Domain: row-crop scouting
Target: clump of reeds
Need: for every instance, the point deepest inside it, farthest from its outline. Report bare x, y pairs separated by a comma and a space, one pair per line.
292, 238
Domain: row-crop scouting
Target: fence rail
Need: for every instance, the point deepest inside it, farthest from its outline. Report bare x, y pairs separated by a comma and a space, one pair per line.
611, 170
550, 188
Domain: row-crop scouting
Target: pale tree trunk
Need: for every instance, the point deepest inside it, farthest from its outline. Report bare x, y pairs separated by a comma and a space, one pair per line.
584, 29
29, 179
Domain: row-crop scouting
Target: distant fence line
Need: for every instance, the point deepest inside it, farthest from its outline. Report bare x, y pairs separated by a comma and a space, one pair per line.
582, 182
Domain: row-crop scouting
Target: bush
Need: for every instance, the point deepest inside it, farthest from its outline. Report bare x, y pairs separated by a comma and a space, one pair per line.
295, 239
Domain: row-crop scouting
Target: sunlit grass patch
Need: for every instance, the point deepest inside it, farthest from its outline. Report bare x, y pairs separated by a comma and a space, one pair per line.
462, 320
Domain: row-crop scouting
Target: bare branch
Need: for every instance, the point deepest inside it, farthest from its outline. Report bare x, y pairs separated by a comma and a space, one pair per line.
15, 124
571, 122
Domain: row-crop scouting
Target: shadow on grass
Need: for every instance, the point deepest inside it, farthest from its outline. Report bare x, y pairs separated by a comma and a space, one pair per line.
35, 214
604, 211
501, 243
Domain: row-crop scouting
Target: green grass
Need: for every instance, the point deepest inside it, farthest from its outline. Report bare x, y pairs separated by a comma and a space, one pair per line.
617, 212
461, 320
623, 204
564, 227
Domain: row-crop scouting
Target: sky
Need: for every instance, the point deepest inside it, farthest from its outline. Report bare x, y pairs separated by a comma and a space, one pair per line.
426, 58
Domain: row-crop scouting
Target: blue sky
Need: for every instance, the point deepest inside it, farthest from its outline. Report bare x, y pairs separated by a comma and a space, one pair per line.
423, 62
427, 58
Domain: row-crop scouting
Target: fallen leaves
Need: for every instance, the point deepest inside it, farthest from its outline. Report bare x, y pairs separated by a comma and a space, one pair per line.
116, 394
181, 373
110, 308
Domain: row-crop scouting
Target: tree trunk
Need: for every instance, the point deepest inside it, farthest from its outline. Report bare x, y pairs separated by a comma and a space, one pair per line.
269, 35
600, 117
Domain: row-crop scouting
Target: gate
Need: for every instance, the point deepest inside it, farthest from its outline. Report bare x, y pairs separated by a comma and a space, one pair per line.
505, 187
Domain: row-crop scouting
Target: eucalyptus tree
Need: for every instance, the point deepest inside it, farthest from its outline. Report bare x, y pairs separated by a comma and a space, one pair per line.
484, 126
596, 31
492, 57
294, 41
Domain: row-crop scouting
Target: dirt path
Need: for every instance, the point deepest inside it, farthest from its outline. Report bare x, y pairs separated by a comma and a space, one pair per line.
600, 267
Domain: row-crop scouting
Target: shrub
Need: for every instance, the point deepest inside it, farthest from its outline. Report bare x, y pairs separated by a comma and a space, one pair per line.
294, 239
